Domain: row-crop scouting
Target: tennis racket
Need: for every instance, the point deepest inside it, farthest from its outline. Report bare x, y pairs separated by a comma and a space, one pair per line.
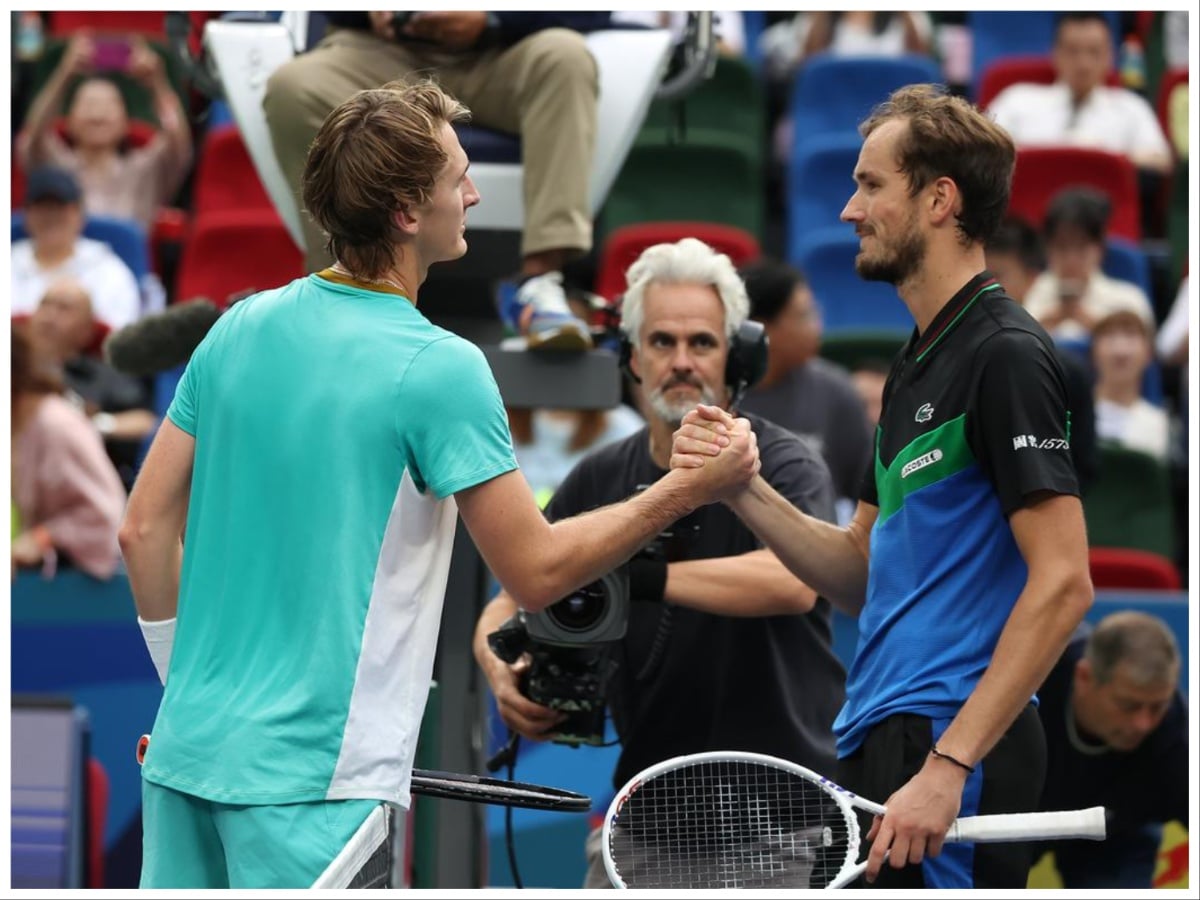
746, 820
474, 789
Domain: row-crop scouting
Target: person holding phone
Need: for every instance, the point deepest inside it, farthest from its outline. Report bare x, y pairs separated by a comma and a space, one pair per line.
118, 179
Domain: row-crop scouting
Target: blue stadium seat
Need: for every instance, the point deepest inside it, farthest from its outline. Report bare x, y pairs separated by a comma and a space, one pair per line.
820, 181
835, 93
126, 237
848, 303
1126, 260
997, 34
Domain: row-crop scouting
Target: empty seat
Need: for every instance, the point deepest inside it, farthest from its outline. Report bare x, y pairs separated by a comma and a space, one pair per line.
1127, 261
835, 93
624, 245
233, 252
225, 176
1119, 568
820, 181
848, 303
1041, 172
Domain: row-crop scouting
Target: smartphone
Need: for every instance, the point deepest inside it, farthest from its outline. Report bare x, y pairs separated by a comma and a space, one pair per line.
110, 54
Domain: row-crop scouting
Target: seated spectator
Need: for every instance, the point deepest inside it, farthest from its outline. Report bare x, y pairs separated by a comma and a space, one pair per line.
56, 248
64, 334
1122, 350
1074, 293
869, 377
520, 72
118, 180
1015, 257
1080, 109
66, 493
849, 33
804, 393
1116, 729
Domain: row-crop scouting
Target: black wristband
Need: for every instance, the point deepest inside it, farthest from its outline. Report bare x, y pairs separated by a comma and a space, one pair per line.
647, 579
938, 754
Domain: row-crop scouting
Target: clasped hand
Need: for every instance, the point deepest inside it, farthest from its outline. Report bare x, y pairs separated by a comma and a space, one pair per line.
722, 450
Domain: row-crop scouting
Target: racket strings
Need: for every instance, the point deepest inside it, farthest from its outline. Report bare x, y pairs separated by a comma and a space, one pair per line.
725, 824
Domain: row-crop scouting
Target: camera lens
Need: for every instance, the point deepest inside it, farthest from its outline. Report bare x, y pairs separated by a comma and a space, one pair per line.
579, 611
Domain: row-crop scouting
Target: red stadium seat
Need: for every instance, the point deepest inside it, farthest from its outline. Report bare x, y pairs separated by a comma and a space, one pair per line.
1041, 172
97, 813
625, 244
1119, 568
234, 252
225, 176
1010, 70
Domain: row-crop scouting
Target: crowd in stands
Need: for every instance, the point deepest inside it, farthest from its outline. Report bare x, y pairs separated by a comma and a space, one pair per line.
109, 156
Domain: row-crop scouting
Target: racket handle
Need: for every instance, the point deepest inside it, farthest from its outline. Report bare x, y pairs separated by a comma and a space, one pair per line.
1087, 824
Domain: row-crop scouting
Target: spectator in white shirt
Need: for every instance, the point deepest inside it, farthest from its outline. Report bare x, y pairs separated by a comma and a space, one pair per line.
1073, 294
56, 249
1122, 350
1080, 109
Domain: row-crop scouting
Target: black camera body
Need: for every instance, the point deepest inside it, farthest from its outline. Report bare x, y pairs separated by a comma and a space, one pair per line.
569, 644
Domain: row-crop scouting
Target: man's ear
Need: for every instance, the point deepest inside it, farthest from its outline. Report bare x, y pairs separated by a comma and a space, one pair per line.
1084, 676
945, 200
405, 221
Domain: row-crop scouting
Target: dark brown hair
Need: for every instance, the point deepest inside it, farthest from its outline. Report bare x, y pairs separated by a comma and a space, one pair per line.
948, 137
378, 152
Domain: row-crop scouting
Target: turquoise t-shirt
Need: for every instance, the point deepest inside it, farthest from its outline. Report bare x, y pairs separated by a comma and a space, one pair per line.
332, 424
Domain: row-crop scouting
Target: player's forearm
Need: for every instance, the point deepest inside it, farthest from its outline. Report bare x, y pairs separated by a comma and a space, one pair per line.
830, 560
583, 548
501, 608
752, 584
153, 561
1033, 639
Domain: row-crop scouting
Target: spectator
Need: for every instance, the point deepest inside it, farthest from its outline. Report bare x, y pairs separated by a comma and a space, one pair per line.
65, 491
1173, 341
869, 378
849, 33
56, 249
1015, 257
526, 73
804, 393
65, 334
1116, 736
1080, 109
118, 180
1074, 293
1122, 350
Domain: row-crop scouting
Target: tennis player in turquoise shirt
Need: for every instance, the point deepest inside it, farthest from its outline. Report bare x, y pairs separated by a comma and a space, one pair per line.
288, 540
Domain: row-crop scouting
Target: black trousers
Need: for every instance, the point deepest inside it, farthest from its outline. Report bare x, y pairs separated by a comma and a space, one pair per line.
1007, 780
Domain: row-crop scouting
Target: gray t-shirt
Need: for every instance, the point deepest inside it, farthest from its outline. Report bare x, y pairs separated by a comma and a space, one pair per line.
818, 402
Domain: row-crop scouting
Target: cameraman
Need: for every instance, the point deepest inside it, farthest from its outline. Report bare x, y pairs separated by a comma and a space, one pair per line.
724, 649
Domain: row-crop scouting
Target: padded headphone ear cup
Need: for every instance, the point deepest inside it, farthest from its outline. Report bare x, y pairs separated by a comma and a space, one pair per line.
625, 357
747, 360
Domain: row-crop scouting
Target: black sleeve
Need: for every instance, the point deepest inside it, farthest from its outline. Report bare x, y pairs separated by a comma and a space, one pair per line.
1018, 425
343, 19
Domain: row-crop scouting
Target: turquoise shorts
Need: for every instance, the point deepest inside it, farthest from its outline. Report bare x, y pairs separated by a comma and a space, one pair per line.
188, 842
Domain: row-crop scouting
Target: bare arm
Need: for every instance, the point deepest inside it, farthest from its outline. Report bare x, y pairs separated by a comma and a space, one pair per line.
147, 67
829, 559
152, 533
1051, 537
751, 584
46, 106
539, 563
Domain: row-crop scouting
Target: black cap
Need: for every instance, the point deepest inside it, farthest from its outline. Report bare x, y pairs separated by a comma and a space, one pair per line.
51, 183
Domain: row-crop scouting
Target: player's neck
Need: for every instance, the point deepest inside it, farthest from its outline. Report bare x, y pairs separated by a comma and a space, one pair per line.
936, 283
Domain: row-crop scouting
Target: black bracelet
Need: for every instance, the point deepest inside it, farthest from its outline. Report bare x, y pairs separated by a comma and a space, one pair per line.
938, 754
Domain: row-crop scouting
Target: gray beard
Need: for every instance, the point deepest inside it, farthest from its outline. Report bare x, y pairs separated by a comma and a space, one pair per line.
673, 411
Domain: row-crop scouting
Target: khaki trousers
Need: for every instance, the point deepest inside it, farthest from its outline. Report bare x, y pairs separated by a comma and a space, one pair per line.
543, 88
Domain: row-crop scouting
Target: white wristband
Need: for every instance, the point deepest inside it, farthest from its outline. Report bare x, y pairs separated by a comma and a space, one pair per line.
160, 636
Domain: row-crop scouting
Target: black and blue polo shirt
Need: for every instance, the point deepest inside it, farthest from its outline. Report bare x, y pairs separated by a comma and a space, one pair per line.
975, 420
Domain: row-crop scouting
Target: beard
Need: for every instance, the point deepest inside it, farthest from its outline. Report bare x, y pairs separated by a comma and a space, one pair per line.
671, 410
895, 264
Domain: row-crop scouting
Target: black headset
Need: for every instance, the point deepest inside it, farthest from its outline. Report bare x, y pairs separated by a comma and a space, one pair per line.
745, 365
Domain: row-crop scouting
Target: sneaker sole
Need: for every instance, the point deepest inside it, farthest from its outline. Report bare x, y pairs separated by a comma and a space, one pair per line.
559, 339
